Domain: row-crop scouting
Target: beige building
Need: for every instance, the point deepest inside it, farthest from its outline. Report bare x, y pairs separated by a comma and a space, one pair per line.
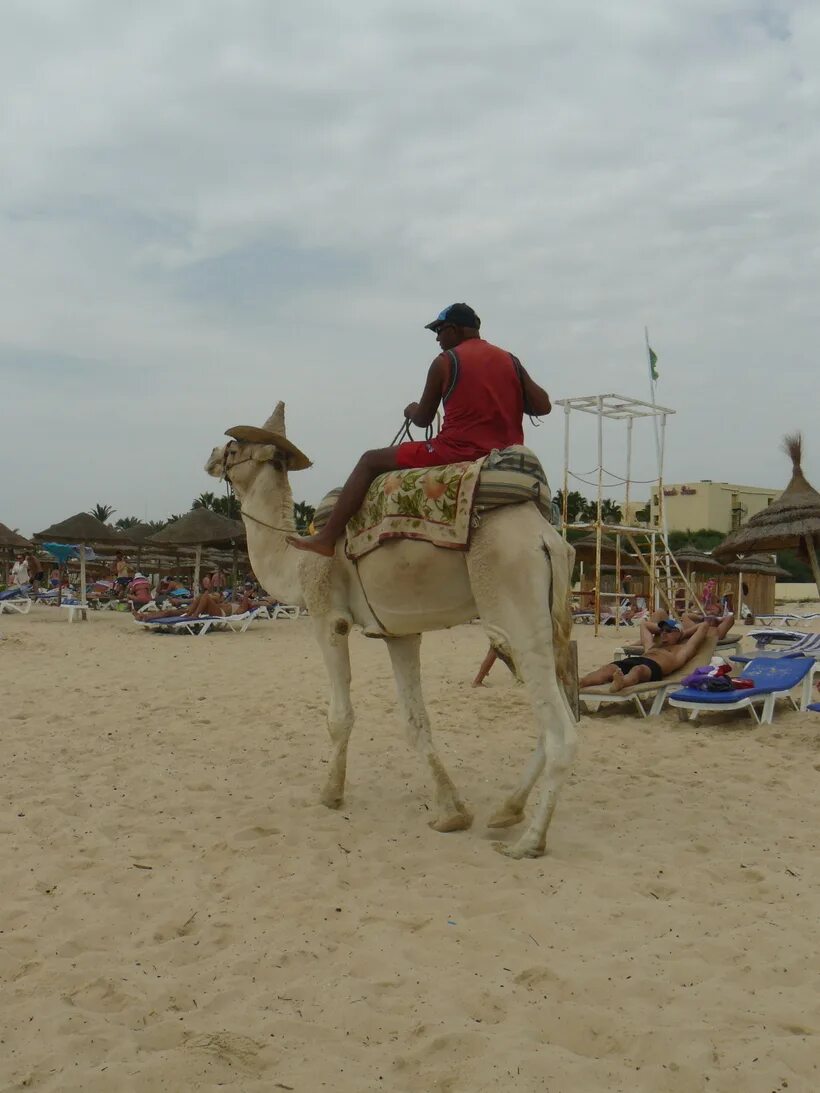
721, 506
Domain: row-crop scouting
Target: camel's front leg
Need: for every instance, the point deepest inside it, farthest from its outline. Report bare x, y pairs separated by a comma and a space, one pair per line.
332, 635
404, 654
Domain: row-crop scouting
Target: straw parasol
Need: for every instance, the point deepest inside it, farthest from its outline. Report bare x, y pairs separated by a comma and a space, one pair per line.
198, 528
80, 530
692, 560
9, 542
757, 563
585, 548
9, 538
793, 520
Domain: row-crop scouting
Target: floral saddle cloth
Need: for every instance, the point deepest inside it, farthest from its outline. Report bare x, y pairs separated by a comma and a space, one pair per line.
440, 505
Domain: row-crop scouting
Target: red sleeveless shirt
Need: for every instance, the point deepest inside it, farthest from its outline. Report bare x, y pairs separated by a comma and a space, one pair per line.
484, 402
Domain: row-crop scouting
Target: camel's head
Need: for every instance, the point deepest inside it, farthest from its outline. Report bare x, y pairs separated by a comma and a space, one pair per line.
251, 448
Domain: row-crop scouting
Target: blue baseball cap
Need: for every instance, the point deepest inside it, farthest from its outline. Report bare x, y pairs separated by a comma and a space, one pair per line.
669, 624
458, 315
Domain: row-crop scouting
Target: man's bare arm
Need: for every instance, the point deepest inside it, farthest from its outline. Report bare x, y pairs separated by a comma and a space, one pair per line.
536, 400
687, 650
423, 413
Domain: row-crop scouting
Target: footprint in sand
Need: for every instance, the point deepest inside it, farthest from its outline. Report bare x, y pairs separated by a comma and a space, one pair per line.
232, 1048
249, 834
100, 996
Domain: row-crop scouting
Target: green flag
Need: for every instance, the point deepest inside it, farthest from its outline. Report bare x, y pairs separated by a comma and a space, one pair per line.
653, 363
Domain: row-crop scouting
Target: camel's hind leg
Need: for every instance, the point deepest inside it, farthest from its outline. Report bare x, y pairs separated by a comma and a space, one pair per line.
511, 582
452, 814
332, 634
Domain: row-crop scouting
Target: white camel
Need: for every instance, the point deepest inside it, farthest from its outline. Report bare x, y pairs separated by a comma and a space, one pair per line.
516, 567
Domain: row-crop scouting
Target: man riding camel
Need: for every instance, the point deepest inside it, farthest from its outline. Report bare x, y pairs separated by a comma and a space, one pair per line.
485, 391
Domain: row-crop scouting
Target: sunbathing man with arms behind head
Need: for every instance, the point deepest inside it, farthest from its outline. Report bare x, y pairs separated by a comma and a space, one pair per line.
666, 649
209, 604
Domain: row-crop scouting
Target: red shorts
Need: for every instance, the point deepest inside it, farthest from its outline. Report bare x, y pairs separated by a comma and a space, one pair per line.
430, 453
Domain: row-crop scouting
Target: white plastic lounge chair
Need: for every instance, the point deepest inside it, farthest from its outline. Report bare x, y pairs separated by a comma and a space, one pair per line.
199, 626
238, 624
784, 619
285, 611
773, 679
783, 638
658, 692
179, 624
20, 606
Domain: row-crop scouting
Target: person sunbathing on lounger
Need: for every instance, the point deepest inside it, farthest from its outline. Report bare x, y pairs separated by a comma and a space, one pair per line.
208, 604
666, 648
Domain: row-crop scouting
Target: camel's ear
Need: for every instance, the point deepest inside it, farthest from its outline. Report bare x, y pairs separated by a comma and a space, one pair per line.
264, 453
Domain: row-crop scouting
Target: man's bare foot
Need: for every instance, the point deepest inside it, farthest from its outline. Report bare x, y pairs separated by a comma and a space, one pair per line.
618, 681
313, 543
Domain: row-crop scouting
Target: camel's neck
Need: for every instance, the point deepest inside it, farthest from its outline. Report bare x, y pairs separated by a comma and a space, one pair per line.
269, 499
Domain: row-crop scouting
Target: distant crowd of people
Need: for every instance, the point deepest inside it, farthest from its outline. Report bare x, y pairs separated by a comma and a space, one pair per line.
170, 595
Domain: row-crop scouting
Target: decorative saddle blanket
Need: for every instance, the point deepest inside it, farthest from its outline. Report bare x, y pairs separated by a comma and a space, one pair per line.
439, 504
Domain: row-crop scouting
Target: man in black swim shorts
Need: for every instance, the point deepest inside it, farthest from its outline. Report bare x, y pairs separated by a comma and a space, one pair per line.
666, 649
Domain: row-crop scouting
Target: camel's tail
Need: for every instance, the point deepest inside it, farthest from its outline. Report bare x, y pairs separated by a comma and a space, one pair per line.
562, 561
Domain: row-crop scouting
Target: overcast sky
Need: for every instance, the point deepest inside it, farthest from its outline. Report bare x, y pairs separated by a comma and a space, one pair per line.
206, 207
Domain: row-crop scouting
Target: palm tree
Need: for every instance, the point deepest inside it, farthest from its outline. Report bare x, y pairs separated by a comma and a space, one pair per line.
205, 500
228, 506
156, 525
102, 512
303, 514
578, 508
126, 522
610, 511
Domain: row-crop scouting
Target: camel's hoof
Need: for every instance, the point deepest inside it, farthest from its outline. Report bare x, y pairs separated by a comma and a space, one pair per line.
332, 800
506, 817
458, 821
515, 850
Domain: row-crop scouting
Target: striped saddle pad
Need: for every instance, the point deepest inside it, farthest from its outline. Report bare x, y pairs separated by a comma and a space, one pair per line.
508, 477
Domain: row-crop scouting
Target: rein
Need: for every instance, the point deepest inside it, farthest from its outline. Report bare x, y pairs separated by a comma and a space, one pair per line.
231, 493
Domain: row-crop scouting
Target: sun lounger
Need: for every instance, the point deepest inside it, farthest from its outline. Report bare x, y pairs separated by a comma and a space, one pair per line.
285, 611
783, 638
773, 679
20, 605
785, 619
807, 646
199, 626
814, 707
595, 697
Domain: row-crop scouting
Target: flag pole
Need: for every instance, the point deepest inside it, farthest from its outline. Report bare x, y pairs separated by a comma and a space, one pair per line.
660, 444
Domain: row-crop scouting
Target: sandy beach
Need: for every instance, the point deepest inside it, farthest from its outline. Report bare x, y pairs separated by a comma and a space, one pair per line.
179, 913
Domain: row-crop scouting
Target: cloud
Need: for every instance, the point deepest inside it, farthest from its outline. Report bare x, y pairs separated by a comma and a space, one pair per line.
207, 207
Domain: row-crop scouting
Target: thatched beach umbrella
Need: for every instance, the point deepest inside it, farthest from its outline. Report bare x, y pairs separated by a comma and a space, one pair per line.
11, 541
793, 520
198, 528
760, 592
692, 560
585, 549
757, 563
81, 530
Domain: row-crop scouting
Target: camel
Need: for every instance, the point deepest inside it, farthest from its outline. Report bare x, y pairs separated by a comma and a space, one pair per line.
516, 566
